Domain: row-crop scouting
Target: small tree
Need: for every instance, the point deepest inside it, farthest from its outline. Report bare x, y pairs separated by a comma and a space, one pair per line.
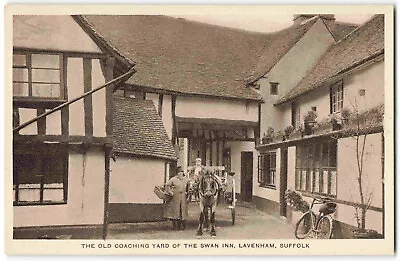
365, 198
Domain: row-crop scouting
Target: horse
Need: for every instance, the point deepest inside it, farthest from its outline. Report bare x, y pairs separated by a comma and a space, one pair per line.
208, 189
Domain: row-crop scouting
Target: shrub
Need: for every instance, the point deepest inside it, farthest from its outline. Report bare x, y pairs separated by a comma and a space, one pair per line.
310, 116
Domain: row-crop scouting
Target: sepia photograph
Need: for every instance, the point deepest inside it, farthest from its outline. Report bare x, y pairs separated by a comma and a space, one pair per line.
235, 131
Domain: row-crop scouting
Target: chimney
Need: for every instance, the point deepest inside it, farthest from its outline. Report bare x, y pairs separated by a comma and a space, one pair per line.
299, 18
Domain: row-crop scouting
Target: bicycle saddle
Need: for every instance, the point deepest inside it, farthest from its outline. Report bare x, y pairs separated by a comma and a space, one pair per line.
328, 208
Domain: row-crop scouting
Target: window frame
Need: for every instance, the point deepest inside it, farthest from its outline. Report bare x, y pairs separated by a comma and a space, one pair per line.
267, 174
274, 88
43, 153
295, 115
304, 164
28, 65
336, 96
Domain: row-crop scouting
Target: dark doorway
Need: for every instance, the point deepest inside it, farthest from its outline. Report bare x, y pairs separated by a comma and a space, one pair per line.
283, 181
246, 176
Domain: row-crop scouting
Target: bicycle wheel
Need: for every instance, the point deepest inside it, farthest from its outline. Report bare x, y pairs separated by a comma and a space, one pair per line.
305, 225
324, 227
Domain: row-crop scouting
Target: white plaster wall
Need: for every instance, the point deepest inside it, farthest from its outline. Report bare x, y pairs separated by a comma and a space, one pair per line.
133, 179
98, 100
53, 123
85, 204
76, 110
167, 114
268, 193
236, 148
24, 116
370, 78
348, 170
75, 89
291, 69
291, 167
194, 107
51, 32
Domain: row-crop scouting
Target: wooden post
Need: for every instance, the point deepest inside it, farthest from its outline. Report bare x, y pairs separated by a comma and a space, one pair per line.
107, 154
110, 62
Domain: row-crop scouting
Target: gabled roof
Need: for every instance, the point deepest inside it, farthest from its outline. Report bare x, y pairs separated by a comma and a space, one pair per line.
138, 129
194, 58
363, 44
339, 30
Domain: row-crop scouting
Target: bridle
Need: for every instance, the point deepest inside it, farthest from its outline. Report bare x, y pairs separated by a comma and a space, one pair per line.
208, 183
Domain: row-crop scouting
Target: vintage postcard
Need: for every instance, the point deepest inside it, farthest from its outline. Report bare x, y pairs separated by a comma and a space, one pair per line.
199, 130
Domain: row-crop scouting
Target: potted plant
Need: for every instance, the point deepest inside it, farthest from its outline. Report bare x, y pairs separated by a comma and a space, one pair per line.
345, 113
335, 121
289, 130
281, 134
309, 122
300, 129
268, 135
295, 201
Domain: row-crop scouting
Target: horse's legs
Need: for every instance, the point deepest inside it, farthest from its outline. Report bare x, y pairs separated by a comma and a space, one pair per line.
200, 228
213, 233
206, 220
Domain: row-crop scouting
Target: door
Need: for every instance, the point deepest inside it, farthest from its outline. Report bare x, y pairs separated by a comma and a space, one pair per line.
246, 176
283, 181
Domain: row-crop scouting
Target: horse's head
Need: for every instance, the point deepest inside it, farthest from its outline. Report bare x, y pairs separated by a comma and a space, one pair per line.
208, 184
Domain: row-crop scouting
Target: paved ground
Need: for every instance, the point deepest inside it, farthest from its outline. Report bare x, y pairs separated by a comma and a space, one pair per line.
250, 224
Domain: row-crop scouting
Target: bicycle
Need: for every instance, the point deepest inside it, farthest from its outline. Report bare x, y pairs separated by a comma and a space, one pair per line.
320, 227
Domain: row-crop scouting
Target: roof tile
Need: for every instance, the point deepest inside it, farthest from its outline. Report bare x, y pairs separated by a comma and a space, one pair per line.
366, 41
138, 129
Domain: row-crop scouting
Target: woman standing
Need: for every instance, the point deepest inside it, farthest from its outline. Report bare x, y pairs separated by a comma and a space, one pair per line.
176, 208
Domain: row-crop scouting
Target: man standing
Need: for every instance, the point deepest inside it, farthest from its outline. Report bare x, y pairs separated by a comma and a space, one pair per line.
176, 208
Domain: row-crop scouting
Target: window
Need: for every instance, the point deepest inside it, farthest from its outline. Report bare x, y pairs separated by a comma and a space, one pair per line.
40, 178
267, 169
295, 115
316, 168
274, 88
37, 75
336, 96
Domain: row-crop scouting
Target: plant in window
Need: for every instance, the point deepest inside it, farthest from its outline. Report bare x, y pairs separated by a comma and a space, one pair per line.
345, 113
300, 129
289, 130
280, 134
268, 136
335, 121
309, 122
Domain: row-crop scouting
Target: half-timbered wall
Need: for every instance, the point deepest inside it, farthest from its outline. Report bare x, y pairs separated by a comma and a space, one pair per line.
82, 67
86, 117
85, 202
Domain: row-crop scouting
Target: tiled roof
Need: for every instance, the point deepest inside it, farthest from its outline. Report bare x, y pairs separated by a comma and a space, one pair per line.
195, 58
340, 29
365, 42
138, 129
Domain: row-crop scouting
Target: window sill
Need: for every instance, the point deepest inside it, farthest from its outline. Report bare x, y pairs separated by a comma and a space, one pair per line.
37, 103
267, 186
314, 194
25, 204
